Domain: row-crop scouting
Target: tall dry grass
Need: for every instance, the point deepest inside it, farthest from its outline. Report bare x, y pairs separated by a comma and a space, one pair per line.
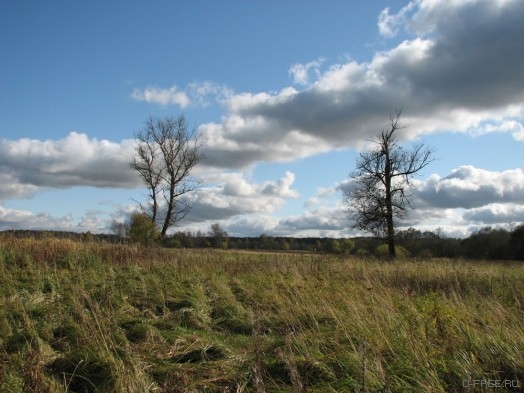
89, 317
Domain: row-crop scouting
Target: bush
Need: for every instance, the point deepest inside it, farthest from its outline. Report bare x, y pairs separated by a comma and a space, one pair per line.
142, 230
382, 251
340, 246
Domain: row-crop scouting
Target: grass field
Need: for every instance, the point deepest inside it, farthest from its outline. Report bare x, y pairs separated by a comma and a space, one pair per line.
88, 317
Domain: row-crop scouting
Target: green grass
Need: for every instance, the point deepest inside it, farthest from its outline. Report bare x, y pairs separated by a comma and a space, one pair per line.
87, 317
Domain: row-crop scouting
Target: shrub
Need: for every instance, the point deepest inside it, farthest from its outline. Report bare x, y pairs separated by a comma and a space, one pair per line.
382, 251
142, 230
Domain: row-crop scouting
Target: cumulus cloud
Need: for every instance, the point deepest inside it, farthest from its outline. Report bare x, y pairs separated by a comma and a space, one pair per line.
29, 165
22, 219
322, 222
467, 199
322, 196
509, 126
469, 187
466, 196
496, 213
457, 71
301, 73
162, 96
203, 93
252, 225
322, 219
195, 93
12, 188
234, 195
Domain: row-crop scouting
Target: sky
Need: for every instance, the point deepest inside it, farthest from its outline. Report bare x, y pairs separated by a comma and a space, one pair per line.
285, 94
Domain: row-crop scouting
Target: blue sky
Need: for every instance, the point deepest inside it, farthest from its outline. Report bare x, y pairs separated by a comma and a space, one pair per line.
285, 93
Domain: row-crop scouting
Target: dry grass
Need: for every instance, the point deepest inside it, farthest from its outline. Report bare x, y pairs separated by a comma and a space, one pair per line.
87, 317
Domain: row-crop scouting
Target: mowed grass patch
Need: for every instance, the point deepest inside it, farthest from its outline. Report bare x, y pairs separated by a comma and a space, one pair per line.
91, 317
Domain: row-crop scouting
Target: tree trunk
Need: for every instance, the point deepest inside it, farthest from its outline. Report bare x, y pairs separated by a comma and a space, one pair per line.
170, 205
389, 206
391, 235
155, 207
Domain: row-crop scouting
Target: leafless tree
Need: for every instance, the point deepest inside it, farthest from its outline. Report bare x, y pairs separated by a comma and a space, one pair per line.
120, 228
218, 235
165, 155
382, 182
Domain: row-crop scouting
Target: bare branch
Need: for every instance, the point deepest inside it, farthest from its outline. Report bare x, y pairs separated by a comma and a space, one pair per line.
166, 154
383, 177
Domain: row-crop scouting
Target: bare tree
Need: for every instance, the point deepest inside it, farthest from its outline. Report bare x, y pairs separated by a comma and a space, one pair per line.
166, 154
120, 228
382, 182
218, 235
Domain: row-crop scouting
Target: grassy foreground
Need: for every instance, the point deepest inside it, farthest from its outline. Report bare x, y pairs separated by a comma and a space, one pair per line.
81, 317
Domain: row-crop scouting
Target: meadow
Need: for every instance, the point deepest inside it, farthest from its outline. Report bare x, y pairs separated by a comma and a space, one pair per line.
96, 317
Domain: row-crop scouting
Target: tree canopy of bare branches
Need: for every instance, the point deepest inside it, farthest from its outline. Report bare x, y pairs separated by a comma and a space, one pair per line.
166, 153
380, 192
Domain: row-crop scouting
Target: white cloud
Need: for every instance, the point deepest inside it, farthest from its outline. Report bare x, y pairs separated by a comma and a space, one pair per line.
29, 165
505, 125
390, 24
12, 188
162, 96
21, 219
467, 199
466, 196
301, 73
519, 135
322, 222
281, 187
458, 74
463, 201
13, 219
496, 213
200, 93
234, 195
469, 187
458, 70
251, 225
321, 197
423, 17
233, 203
321, 219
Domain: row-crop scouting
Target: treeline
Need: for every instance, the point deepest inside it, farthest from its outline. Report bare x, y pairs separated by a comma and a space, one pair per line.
486, 244
46, 234
262, 242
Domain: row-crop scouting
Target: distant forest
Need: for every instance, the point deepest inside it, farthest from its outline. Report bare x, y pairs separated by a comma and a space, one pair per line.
486, 244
